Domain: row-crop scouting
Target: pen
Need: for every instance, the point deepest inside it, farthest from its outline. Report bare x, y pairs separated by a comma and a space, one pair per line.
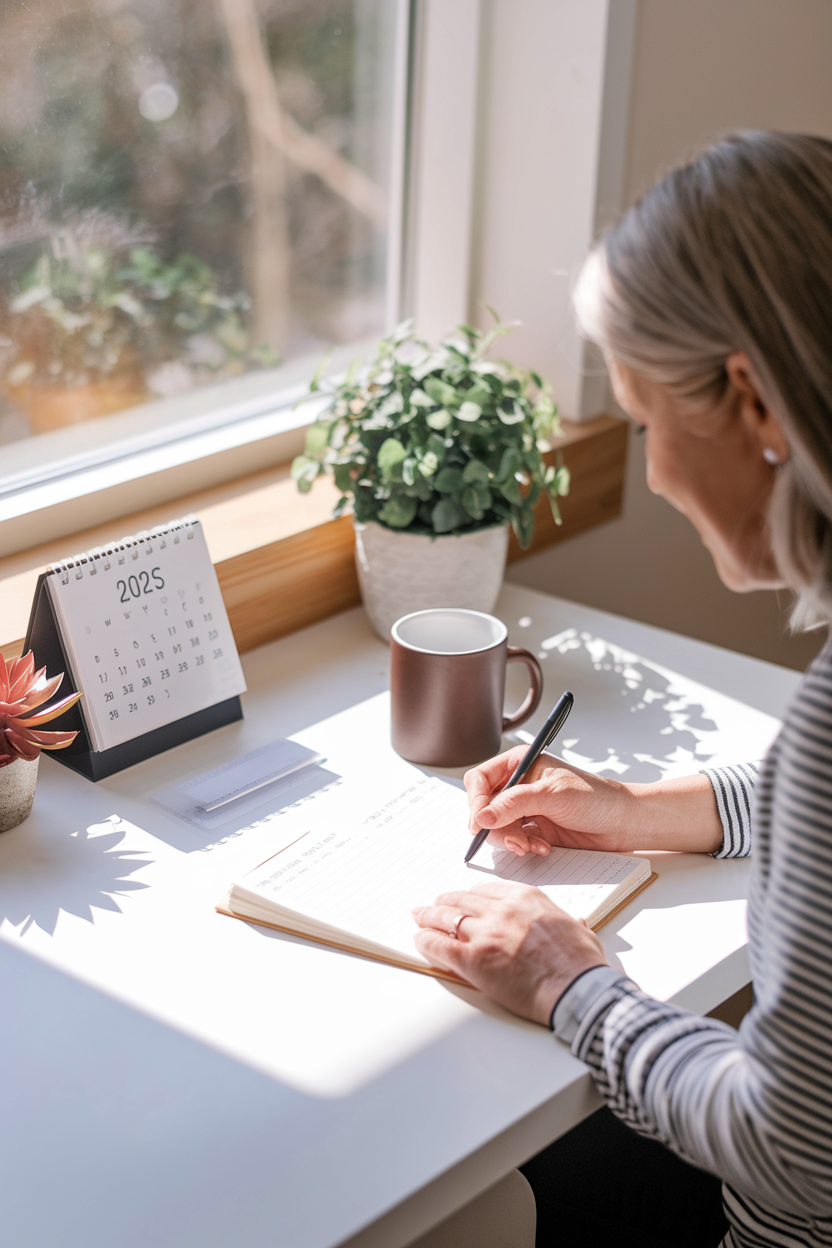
543, 739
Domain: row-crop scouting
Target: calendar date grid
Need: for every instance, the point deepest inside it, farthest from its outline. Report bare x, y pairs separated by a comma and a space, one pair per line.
161, 653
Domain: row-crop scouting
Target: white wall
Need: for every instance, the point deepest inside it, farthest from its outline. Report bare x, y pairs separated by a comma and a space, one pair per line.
541, 119
700, 68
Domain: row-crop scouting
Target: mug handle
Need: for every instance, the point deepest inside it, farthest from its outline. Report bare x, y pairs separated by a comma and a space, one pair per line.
516, 654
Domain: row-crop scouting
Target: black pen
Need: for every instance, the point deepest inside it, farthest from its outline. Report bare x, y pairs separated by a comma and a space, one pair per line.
543, 739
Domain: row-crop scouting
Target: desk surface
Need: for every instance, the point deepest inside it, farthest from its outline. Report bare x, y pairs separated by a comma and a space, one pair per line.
173, 1077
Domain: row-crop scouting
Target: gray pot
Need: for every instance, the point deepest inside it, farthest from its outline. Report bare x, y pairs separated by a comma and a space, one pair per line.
17, 791
404, 572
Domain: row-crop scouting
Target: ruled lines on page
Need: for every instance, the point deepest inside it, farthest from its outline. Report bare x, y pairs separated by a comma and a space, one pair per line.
367, 878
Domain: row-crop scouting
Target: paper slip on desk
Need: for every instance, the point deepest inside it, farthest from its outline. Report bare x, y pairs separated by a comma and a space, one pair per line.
352, 883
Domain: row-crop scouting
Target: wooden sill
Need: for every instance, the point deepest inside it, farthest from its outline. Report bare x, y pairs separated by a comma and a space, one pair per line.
284, 563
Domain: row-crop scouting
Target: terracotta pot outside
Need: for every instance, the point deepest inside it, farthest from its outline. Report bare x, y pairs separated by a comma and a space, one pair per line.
400, 573
55, 407
17, 792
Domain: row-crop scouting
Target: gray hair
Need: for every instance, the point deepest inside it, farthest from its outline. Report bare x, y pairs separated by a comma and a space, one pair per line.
733, 252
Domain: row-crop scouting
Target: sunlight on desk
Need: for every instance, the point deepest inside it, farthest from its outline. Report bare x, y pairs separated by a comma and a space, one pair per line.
265, 1055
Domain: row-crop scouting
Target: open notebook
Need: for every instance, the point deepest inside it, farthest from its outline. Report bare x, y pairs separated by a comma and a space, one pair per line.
354, 884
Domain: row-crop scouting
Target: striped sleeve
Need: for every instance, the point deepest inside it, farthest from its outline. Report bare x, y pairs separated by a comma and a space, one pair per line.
733, 789
753, 1107
691, 1084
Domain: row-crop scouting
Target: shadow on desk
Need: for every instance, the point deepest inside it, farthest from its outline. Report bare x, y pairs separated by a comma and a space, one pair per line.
72, 871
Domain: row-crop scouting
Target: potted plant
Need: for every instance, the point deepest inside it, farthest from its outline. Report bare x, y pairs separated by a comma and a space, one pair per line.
23, 692
438, 450
96, 325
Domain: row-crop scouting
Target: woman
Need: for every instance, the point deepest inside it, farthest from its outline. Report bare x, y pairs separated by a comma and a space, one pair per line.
712, 301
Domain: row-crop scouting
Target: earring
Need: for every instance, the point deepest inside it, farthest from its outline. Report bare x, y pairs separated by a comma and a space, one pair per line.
770, 456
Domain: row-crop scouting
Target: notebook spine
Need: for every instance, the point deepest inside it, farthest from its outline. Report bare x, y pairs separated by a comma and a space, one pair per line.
125, 548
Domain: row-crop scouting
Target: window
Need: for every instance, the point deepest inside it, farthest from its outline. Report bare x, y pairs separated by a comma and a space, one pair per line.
197, 199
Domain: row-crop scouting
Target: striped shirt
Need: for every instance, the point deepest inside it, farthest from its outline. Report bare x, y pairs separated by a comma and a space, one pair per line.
753, 1107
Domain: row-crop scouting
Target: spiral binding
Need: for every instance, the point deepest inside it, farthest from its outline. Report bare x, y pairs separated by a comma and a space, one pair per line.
124, 548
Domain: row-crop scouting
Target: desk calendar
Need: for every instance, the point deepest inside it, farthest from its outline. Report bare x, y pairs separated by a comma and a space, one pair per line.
141, 629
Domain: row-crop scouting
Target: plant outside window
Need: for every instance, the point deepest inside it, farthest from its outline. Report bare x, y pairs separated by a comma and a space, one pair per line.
189, 191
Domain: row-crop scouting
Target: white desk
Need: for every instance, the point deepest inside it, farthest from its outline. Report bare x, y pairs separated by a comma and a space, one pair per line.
172, 1077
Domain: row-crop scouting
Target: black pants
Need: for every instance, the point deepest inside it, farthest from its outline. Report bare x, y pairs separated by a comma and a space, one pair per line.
604, 1185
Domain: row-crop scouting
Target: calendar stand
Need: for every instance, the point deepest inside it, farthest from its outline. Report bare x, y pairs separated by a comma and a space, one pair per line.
43, 638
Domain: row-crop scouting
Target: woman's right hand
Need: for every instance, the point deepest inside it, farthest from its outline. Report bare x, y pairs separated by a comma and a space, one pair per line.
557, 804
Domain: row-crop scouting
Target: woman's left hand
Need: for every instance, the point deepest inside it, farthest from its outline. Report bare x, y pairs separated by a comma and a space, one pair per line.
514, 944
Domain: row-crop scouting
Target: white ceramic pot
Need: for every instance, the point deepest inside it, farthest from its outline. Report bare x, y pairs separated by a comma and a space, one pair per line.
17, 791
403, 572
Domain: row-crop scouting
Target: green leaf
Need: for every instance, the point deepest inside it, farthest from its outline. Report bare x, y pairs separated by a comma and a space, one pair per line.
409, 470
534, 462
343, 478
440, 419
304, 469
511, 490
476, 500
304, 485
390, 406
469, 412
510, 463
514, 416
428, 465
553, 503
437, 446
338, 509
475, 471
391, 455
421, 488
448, 481
418, 398
562, 480
440, 391
479, 394
522, 521
317, 436
448, 515
364, 506
398, 512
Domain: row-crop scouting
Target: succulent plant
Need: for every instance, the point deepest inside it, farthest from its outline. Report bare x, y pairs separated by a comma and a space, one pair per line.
22, 691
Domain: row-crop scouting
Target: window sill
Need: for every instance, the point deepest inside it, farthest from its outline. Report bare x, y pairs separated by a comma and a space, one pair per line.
156, 453
284, 563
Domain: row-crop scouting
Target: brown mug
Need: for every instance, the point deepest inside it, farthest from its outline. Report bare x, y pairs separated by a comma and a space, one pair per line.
447, 684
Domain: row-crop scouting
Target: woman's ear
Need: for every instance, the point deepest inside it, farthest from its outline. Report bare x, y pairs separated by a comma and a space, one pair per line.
760, 422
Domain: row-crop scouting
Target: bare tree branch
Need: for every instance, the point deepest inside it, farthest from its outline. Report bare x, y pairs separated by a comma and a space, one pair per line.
268, 249
306, 151
313, 155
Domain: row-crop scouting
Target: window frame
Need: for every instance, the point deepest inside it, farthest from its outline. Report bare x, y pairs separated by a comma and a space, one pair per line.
429, 246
